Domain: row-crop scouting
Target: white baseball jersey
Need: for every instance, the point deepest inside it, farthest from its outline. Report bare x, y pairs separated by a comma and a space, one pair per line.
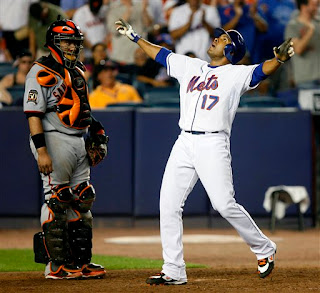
93, 26
209, 96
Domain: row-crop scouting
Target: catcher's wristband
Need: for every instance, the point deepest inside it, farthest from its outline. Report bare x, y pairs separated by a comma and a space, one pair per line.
39, 140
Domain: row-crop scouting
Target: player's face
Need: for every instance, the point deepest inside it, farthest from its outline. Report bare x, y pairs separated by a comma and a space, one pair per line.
107, 77
25, 63
99, 53
217, 46
312, 7
68, 48
194, 4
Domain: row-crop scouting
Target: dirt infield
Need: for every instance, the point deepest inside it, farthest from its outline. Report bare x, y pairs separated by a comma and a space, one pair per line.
231, 266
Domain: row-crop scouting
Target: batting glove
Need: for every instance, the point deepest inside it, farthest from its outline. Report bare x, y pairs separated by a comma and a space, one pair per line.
126, 29
284, 52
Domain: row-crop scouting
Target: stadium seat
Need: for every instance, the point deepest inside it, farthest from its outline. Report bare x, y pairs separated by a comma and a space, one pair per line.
6, 68
124, 78
289, 97
125, 105
260, 102
17, 93
162, 97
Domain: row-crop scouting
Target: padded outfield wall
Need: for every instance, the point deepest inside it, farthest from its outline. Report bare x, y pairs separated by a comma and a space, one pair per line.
269, 147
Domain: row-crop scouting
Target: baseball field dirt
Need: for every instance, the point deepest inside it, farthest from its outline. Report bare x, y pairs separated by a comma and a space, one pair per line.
231, 266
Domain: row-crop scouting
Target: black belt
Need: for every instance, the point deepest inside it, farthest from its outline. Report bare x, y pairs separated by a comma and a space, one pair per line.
200, 132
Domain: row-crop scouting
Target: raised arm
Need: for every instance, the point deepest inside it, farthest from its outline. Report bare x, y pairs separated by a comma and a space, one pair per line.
126, 29
179, 32
282, 54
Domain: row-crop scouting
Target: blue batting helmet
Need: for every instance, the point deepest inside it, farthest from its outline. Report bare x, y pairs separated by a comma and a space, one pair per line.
236, 50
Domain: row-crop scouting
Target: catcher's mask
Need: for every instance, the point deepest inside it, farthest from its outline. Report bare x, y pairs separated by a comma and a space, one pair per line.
64, 30
236, 50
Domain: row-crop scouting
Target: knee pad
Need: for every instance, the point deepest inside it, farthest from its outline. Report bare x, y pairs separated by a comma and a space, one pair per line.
59, 202
80, 239
85, 197
56, 227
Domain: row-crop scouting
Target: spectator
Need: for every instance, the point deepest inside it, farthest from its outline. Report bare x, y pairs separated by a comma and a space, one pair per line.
164, 40
41, 16
190, 54
91, 18
148, 73
23, 63
168, 7
305, 30
156, 31
13, 23
243, 18
277, 14
191, 26
155, 11
99, 54
110, 91
137, 15
5, 55
70, 6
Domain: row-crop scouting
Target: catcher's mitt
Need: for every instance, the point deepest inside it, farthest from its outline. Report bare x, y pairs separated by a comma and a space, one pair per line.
284, 52
96, 147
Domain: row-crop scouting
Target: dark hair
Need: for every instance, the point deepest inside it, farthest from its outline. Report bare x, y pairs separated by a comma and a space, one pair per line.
190, 54
302, 2
23, 53
163, 38
105, 65
36, 10
98, 44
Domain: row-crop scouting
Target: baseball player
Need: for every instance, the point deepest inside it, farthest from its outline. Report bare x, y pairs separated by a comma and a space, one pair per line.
209, 97
56, 105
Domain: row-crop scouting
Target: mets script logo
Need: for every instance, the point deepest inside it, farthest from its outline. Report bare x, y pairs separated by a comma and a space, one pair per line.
210, 84
33, 97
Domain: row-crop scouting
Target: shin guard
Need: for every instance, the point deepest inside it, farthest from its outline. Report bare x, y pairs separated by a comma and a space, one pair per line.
56, 228
80, 239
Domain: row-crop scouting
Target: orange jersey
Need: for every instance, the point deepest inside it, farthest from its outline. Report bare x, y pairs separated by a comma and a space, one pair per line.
101, 97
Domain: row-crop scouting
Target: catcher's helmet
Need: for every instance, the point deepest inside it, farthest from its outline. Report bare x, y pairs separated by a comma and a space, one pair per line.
64, 29
236, 50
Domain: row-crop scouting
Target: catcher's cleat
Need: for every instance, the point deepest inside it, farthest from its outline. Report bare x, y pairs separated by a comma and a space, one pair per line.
265, 266
163, 279
93, 271
64, 272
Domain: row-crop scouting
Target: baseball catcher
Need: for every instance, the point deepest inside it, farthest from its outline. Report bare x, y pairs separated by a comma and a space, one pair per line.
59, 115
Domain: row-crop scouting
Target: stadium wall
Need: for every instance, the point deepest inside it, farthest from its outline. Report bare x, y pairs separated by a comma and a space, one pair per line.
269, 147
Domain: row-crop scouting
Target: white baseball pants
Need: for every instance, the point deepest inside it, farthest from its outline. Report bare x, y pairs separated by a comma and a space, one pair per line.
204, 156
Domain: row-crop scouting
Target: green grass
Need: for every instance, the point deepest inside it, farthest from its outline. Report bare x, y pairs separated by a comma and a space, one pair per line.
14, 260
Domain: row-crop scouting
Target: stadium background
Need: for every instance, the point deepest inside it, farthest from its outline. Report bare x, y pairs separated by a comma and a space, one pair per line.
270, 146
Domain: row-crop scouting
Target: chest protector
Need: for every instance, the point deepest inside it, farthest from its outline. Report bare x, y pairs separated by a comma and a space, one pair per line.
73, 107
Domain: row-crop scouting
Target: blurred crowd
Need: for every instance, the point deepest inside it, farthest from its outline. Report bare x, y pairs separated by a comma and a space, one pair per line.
118, 71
